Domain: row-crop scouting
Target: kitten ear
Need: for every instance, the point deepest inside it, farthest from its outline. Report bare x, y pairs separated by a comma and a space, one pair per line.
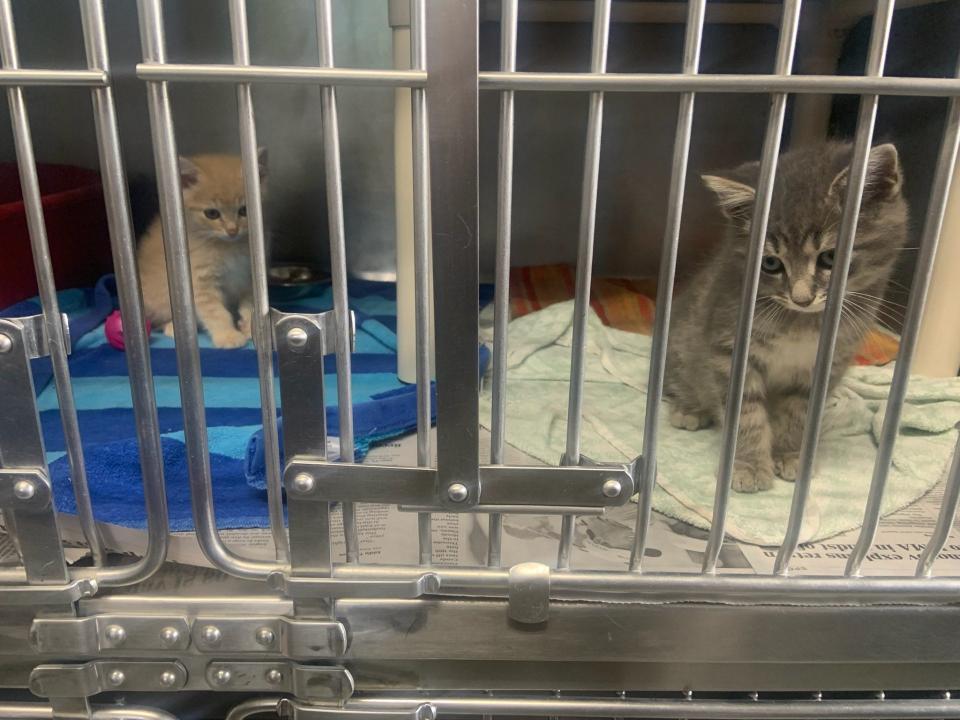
734, 198
884, 177
262, 162
189, 172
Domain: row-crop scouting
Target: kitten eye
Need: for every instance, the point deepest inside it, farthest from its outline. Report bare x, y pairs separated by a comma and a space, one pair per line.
825, 259
771, 264
242, 212
211, 213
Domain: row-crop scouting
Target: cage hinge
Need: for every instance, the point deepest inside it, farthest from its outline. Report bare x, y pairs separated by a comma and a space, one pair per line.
32, 333
124, 634
77, 681
322, 683
529, 593
294, 710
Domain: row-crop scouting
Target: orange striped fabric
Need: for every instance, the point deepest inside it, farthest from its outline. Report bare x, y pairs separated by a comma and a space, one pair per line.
628, 305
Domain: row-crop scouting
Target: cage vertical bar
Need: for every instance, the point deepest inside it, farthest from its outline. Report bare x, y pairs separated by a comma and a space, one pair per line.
338, 264
866, 118
739, 361
43, 267
588, 220
501, 302
261, 324
668, 265
135, 336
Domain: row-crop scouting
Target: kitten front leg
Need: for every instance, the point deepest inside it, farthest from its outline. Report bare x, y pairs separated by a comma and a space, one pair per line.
788, 415
217, 320
753, 464
246, 317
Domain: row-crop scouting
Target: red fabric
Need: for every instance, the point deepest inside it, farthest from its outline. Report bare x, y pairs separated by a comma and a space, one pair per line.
76, 230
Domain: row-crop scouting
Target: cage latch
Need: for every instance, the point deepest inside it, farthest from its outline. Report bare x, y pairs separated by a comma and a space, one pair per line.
529, 593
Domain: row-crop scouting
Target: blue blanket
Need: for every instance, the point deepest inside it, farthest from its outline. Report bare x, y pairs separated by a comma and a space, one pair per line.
383, 407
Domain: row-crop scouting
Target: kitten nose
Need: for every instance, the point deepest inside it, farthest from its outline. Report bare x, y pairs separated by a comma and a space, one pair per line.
801, 294
232, 230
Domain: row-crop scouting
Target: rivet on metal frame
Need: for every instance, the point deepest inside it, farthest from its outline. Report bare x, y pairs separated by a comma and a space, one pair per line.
612, 488
274, 676
211, 635
116, 678
168, 679
265, 636
169, 636
457, 492
222, 677
297, 338
115, 634
24, 489
304, 483
6, 343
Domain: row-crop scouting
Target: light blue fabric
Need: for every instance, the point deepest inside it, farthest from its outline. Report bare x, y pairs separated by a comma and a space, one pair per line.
614, 403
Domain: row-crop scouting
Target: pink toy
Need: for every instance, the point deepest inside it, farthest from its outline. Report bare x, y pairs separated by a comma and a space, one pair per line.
113, 329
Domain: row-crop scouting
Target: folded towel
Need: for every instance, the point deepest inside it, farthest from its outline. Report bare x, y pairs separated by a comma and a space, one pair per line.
614, 399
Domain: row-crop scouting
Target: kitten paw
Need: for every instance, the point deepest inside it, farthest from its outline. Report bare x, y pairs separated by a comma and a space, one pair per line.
226, 339
750, 479
690, 421
245, 325
168, 329
785, 465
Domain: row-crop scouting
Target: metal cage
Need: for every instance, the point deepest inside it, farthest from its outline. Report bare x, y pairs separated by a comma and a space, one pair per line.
309, 636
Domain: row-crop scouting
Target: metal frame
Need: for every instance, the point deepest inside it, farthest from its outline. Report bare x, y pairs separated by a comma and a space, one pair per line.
330, 632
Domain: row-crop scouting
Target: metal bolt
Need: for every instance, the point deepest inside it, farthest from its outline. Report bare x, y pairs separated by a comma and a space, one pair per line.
688, 694
457, 492
115, 634
755, 696
818, 696
116, 678
169, 636
946, 694
881, 695
222, 676
24, 489
297, 337
304, 483
274, 676
6, 343
612, 488
265, 636
168, 679
211, 634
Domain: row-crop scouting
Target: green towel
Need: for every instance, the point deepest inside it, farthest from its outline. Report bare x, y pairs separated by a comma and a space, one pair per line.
613, 407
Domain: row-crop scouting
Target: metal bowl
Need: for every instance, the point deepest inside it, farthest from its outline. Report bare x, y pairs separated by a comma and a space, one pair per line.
290, 281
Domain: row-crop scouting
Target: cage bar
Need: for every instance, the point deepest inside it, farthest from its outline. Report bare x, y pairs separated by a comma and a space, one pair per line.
879, 37
726, 83
421, 259
948, 511
322, 76
739, 361
261, 324
43, 267
588, 219
668, 267
135, 336
181, 301
923, 273
24, 77
338, 264
501, 302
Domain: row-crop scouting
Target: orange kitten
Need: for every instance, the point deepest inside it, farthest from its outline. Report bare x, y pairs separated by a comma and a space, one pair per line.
216, 221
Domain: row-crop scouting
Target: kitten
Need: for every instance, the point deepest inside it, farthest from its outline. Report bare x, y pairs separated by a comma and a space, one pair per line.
797, 260
216, 221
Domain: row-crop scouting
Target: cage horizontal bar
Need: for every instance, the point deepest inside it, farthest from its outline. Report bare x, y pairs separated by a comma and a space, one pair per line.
282, 74
27, 77
678, 82
660, 588
501, 485
667, 708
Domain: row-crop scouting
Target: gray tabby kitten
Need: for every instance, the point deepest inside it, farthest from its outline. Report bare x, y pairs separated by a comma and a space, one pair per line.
798, 256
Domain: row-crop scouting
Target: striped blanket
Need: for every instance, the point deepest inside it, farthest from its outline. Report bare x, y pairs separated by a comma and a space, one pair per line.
383, 407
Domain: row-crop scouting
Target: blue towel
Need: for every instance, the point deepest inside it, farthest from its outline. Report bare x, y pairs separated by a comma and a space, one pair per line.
383, 406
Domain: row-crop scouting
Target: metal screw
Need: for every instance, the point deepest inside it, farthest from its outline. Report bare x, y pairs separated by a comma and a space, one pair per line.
169, 636
755, 696
304, 483
116, 678
688, 694
115, 634
881, 695
612, 488
211, 634
274, 676
818, 696
265, 636
222, 677
457, 492
297, 337
6, 343
946, 694
168, 679
24, 489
